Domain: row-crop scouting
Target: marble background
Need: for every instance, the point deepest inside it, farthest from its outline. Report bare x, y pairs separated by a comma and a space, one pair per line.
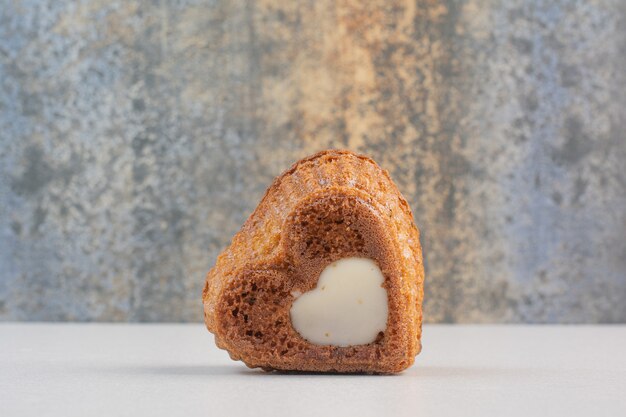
137, 136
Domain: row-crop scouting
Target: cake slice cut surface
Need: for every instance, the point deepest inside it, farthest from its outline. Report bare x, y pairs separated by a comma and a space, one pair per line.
326, 274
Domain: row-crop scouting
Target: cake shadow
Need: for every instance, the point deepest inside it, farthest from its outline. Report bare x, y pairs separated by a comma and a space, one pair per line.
280, 373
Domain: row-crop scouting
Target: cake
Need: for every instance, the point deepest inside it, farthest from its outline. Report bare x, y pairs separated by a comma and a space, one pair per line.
326, 275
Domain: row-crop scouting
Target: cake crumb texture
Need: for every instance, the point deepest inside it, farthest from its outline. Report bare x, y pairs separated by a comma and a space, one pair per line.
332, 205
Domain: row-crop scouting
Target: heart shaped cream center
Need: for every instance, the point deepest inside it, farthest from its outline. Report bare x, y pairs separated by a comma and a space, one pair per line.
348, 306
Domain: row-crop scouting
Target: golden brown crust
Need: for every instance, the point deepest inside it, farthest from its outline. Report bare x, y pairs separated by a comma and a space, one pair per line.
328, 206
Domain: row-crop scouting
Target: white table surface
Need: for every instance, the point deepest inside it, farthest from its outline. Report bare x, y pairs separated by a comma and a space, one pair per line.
176, 370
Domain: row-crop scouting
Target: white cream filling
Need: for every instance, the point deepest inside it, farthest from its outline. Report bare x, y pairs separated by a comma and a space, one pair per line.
348, 306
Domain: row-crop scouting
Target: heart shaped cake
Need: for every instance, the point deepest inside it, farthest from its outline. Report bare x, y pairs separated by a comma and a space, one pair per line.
326, 275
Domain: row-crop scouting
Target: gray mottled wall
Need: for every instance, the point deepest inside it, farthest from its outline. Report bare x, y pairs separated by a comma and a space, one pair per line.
136, 137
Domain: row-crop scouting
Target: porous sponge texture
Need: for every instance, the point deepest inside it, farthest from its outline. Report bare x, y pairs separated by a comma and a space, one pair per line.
332, 205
